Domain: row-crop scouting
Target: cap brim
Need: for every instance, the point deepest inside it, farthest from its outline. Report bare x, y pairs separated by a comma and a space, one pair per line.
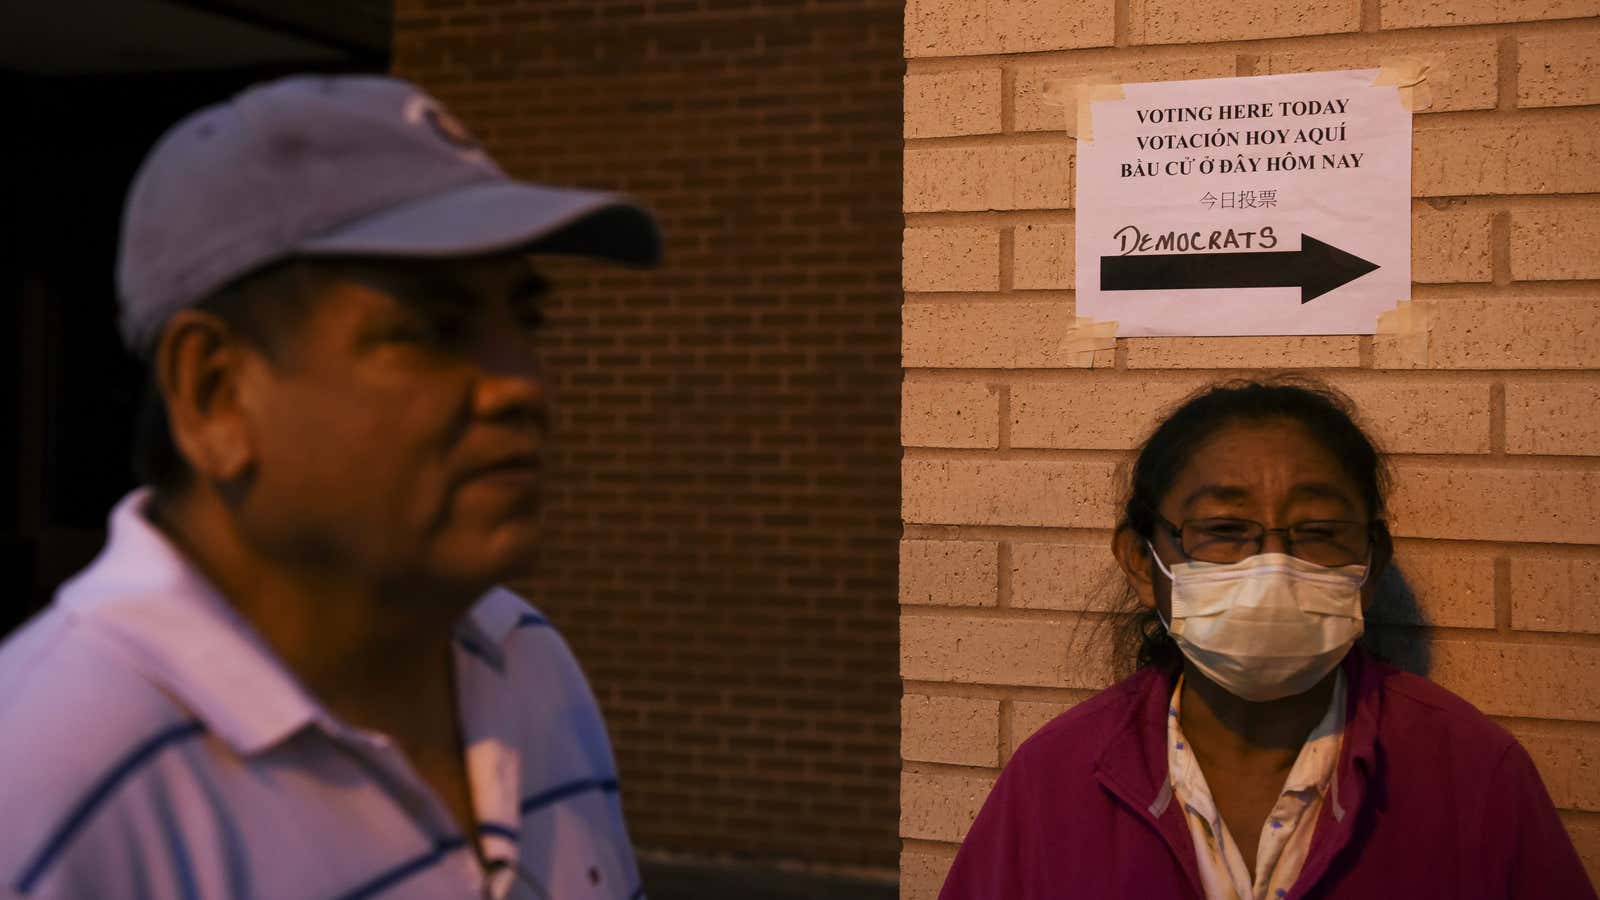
500, 216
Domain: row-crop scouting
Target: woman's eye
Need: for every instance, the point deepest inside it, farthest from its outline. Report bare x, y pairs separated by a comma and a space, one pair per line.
1226, 530
1343, 533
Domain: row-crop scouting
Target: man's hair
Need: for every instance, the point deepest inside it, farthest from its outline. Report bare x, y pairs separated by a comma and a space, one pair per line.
264, 308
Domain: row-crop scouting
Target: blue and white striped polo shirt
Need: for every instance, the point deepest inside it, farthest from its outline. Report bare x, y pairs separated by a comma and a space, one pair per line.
151, 746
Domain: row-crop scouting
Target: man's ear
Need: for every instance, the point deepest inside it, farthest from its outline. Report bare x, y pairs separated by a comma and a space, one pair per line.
1382, 555
198, 366
1133, 557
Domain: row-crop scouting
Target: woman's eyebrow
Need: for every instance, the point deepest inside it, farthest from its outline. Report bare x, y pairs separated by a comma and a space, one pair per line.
1226, 493
1320, 490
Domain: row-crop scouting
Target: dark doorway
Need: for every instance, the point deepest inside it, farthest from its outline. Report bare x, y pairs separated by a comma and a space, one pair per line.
90, 85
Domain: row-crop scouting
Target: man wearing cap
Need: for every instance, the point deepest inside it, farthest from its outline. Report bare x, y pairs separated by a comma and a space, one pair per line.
290, 672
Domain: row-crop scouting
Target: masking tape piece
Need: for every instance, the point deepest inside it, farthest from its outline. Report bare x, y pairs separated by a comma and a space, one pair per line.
1414, 78
1086, 338
1079, 94
1401, 340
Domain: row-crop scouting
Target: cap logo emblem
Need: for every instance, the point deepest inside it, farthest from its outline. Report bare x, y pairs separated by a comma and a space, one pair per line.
425, 110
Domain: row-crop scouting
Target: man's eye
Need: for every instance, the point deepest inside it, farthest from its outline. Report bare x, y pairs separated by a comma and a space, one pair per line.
435, 330
448, 328
1225, 530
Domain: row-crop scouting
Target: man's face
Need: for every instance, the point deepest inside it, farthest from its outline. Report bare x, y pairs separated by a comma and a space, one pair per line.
398, 436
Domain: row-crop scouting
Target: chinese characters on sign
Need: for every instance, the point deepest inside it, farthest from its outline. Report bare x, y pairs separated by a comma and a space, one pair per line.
1262, 199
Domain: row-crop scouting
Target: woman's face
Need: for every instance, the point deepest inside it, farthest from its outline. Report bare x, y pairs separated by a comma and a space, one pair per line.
1270, 472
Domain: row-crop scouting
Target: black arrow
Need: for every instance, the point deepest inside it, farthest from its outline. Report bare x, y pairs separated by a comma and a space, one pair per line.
1316, 268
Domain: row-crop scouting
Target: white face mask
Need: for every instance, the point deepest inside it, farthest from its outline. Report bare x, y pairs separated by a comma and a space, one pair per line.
1266, 627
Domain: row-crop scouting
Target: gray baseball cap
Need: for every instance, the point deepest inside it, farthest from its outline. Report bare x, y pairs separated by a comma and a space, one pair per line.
336, 166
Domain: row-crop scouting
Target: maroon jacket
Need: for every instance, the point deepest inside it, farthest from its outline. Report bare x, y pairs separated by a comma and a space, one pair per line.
1430, 799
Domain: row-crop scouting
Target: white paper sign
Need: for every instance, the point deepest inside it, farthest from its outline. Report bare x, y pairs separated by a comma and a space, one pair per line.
1279, 204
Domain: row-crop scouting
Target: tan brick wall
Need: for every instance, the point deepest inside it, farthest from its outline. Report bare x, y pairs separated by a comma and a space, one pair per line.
1011, 444
721, 535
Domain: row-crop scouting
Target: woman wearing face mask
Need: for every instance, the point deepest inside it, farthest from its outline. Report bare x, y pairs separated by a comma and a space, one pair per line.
1258, 751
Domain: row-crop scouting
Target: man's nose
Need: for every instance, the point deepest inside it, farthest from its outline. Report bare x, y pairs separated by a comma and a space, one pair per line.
512, 382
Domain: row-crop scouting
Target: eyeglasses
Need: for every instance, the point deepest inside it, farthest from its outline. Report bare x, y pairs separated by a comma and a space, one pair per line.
1226, 540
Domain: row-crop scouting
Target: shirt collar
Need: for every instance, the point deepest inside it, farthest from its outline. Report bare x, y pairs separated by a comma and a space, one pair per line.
483, 631
1312, 770
182, 634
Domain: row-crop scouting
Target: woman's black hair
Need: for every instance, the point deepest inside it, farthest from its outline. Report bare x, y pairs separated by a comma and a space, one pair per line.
1327, 415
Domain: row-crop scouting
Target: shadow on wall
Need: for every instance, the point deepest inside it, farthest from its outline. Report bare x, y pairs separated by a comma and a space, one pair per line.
1399, 630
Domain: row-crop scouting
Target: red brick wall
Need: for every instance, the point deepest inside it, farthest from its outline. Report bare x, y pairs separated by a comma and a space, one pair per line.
724, 510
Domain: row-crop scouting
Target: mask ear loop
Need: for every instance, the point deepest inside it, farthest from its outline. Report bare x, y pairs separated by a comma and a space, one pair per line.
1159, 564
1165, 571
1366, 570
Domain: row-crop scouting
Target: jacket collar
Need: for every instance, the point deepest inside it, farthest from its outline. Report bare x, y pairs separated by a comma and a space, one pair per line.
1133, 764
1357, 770
178, 631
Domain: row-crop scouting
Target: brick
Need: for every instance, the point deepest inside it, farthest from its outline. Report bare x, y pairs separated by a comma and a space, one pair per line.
941, 806
1031, 652
1553, 593
990, 177
1450, 246
949, 573
1078, 577
961, 731
1008, 492
1551, 333
1006, 335
1585, 836
1525, 680
1484, 504
951, 259
1028, 716
1292, 352
1569, 764
1097, 411
1555, 244
946, 104
1407, 415
1442, 589
1468, 160
949, 414
922, 873
1032, 112
1556, 418
1042, 257
1559, 70
1431, 13
1191, 22
979, 27
1462, 73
